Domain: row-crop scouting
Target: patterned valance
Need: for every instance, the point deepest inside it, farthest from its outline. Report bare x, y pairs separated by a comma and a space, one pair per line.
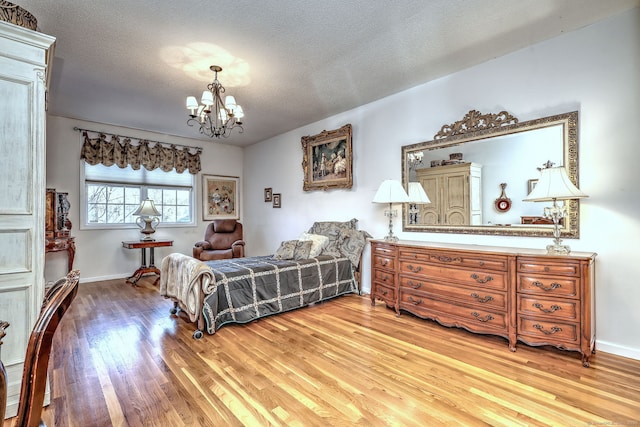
124, 151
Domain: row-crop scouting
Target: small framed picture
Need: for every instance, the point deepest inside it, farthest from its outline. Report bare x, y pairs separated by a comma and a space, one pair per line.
531, 184
276, 200
268, 194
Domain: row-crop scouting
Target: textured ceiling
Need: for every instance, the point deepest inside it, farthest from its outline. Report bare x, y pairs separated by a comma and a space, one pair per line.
288, 62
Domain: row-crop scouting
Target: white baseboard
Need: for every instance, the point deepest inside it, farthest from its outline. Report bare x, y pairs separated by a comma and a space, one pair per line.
619, 350
102, 278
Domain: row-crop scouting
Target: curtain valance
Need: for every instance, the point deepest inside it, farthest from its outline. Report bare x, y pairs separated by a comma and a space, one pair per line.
123, 151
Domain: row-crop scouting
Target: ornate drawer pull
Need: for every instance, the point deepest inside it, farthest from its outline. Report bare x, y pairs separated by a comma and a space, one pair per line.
414, 285
414, 269
384, 262
541, 285
480, 299
415, 301
479, 280
444, 258
385, 278
554, 329
486, 318
553, 308
384, 292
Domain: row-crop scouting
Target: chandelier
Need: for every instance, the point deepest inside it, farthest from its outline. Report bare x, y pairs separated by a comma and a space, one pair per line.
214, 117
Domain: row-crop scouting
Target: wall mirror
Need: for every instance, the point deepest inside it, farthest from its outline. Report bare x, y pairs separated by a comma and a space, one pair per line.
476, 172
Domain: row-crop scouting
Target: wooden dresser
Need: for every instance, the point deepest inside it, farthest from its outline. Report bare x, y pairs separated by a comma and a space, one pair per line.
519, 294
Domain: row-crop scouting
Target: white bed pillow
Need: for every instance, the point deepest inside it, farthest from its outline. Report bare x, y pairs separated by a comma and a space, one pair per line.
318, 243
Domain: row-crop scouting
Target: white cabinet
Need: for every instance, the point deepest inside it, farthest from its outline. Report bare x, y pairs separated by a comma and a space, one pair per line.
24, 55
455, 194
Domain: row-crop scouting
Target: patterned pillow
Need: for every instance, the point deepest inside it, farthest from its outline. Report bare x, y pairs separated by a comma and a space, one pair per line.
293, 249
329, 228
318, 243
332, 230
286, 249
303, 249
351, 243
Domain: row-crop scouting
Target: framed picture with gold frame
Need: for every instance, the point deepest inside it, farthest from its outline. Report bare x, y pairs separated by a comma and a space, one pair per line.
220, 197
328, 160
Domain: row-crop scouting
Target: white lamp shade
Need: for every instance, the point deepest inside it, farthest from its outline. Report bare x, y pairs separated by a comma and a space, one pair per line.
391, 191
230, 102
147, 208
554, 184
207, 98
239, 113
192, 104
417, 193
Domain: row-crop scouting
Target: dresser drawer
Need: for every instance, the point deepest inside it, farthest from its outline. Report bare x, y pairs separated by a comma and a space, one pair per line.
548, 331
383, 249
460, 315
382, 291
476, 278
556, 308
384, 277
456, 259
535, 265
382, 261
489, 298
549, 286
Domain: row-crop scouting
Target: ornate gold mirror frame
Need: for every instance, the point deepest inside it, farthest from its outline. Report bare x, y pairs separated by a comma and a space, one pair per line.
484, 130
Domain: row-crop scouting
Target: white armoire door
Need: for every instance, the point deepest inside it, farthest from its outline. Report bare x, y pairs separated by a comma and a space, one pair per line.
24, 55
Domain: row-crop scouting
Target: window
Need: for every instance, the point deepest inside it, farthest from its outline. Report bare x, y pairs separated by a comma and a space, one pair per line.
112, 194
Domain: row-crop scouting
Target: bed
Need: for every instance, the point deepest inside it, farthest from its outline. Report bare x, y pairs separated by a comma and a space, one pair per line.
323, 263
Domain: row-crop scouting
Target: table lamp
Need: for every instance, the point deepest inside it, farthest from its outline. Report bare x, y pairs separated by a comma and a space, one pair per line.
553, 185
147, 218
417, 196
391, 192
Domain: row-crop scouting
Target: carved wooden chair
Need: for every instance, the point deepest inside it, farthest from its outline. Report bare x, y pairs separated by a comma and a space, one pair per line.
3, 375
57, 300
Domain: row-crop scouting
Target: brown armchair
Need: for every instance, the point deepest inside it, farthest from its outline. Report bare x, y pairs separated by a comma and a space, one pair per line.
222, 240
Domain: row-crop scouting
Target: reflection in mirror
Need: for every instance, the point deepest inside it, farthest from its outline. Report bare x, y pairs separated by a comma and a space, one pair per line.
462, 175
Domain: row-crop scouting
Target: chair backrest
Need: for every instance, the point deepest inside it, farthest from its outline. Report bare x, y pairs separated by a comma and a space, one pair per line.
3, 375
223, 233
34, 377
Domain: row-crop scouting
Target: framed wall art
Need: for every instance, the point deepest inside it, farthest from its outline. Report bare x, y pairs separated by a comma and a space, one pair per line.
268, 194
531, 184
220, 197
328, 160
277, 200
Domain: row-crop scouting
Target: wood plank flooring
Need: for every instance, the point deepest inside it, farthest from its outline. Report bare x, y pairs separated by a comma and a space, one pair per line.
120, 359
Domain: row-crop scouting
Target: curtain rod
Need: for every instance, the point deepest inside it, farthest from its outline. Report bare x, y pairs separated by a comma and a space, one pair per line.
198, 149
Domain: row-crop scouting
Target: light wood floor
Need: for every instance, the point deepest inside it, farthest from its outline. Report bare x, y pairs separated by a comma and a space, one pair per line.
120, 359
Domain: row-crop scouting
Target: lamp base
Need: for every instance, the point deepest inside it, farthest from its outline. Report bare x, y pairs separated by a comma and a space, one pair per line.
146, 227
558, 249
391, 238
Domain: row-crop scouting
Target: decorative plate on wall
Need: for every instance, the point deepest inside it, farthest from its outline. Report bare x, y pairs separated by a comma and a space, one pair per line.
503, 203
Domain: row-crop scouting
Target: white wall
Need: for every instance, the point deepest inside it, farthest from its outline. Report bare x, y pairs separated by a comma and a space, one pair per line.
100, 254
594, 70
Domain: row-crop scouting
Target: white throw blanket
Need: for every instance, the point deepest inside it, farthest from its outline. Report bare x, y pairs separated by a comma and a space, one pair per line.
182, 278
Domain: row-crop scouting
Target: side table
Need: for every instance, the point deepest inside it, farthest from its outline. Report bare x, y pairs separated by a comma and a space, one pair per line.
56, 244
144, 268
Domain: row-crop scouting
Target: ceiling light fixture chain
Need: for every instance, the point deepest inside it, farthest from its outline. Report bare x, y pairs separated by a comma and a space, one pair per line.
214, 117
